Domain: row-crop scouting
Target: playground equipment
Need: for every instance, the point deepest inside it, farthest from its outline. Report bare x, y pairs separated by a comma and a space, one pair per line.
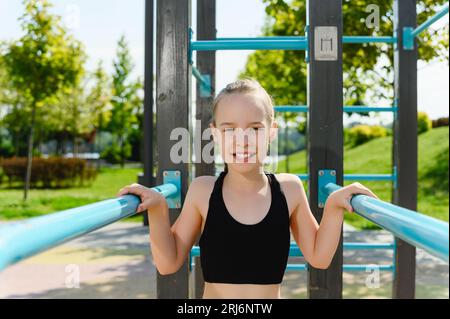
175, 48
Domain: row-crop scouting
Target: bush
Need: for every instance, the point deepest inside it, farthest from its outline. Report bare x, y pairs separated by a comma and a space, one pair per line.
442, 121
112, 153
423, 123
49, 172
361, 134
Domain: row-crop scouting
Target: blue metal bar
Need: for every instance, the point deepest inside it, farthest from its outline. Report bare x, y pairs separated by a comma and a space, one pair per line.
359, 177
196, 73
345, 39
287, 37
368, 39
294, 250
430, 21
19, 240
205, 82
346, 267
419, 230
409, 33
363, 109
349, 108
245, 44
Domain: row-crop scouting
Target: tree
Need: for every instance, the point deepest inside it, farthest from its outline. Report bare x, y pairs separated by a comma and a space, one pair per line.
125, 100
42, 62
368, 68
100, 101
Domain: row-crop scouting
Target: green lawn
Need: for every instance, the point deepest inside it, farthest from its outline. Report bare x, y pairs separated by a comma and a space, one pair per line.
375, 157
44, 201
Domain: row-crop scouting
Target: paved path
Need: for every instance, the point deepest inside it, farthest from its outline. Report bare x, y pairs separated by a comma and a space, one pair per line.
115, 262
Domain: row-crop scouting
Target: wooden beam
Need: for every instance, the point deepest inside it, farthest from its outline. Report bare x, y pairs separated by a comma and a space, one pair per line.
325, 126
405, 145
172, 102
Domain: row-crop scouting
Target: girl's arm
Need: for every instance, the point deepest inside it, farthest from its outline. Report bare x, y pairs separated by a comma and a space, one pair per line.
170, 245
318, 243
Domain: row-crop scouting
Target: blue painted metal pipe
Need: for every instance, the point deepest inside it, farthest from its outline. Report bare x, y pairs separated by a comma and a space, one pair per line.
345, 39
345, 267
430, 21
349, 108
19, 240
368, 39
196, 73
245, 44
419, 230
294, 250
409, 33
359, 177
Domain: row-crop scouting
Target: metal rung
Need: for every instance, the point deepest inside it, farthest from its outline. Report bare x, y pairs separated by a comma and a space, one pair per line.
368, 39
359, 177
346, 267
348, 108
245, 44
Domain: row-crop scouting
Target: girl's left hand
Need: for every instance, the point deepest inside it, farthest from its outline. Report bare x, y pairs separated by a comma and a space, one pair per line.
341, 198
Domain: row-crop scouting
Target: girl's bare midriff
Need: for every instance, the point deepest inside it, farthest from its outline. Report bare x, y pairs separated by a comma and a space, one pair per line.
241, 291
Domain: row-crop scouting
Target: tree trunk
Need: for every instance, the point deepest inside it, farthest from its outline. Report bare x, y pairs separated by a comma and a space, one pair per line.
29, 152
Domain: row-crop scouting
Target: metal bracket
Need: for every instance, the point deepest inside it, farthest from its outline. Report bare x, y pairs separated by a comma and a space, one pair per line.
324, 177
205, 86
407, 38
173, 177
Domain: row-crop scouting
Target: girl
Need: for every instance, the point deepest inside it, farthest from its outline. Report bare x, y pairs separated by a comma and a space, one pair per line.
245, 215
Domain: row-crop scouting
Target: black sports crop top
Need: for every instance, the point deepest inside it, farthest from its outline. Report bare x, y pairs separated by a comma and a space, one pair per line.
232, 252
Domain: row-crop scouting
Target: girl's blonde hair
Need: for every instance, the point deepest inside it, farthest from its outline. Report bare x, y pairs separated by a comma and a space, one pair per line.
246, 86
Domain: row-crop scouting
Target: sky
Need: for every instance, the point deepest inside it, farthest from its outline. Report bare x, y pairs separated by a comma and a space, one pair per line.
99, 24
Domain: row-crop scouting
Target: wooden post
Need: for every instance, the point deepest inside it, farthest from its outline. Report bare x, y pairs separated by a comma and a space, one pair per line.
325, 126
172, 102
206, 63
405, 145
148, 179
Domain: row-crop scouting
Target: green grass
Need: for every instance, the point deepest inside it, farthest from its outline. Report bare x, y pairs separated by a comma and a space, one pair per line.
44, 201
375, 157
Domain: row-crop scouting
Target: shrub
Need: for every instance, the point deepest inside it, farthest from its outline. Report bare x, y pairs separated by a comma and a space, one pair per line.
49, 172
423, 123
442, 121
361, 134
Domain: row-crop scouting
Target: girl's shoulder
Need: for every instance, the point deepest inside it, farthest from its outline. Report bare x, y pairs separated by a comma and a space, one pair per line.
202, 185
291, 185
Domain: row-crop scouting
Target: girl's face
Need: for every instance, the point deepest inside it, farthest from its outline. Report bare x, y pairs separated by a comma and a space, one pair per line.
243, 131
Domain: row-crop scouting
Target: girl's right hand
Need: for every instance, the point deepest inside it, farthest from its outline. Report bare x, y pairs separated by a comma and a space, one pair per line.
149, 197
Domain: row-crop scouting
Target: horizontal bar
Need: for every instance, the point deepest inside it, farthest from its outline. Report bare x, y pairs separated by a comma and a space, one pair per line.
368, 39
23, 239
345, 39
294, 250
349, 108
359, 177
430, 234
430, 21
346, 267
245, 44
196, 73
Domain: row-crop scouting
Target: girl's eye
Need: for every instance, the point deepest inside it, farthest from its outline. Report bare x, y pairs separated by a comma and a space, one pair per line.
228, 129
